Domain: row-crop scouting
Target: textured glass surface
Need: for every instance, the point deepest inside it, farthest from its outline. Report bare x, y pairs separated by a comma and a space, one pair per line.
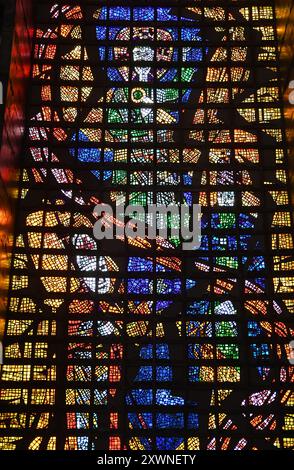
135, 344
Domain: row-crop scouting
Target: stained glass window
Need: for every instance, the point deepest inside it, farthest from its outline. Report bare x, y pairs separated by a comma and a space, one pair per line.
136, 344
